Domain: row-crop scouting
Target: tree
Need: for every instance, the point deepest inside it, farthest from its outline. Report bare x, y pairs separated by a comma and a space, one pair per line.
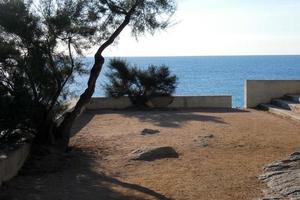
140, 85
41, 43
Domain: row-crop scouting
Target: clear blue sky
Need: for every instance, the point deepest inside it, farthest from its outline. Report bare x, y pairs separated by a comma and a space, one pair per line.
221, 27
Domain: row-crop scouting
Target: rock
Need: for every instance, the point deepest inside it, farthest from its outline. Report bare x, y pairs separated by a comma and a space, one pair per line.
209, 136
283, 178
147, 131
153, 153
203, 141
3, 157
294, 156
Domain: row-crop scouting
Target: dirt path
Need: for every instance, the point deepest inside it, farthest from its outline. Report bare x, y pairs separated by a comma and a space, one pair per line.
226, 168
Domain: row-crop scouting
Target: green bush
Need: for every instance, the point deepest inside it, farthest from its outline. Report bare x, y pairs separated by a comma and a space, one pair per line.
140, 85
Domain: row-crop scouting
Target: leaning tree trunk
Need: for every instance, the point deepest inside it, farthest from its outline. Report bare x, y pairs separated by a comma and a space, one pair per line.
64, 128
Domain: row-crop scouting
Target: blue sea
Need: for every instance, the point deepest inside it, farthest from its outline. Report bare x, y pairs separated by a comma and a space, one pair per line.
213, 75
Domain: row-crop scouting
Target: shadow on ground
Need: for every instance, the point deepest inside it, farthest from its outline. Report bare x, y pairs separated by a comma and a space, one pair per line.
82, 121
172, 119
167, 117
159, 117
75, 181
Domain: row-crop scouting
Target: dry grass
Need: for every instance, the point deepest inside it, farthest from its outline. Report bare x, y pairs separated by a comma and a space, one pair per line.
227, 169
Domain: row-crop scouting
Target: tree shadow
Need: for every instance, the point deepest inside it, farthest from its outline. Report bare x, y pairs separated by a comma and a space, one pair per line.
164, 117
82, 121
78, 181
171, 118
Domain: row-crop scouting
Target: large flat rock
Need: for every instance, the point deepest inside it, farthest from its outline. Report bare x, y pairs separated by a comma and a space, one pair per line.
283, 178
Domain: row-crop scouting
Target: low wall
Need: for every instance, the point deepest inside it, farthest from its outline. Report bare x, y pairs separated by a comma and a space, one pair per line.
263, 91
178, 102
11, 162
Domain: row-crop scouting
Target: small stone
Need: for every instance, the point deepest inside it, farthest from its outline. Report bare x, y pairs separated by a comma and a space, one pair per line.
147, 131
239, 146
153, 153
209, 136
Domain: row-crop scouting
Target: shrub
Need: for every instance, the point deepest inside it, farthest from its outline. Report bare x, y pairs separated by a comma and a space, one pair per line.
140, 85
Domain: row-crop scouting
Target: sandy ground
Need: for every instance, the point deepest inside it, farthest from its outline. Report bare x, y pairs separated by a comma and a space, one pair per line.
227, 169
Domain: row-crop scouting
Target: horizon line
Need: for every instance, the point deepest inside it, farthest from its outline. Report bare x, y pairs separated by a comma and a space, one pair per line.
226, 55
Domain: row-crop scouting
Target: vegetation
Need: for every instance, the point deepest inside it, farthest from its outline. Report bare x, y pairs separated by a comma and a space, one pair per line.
138, 84
41, 43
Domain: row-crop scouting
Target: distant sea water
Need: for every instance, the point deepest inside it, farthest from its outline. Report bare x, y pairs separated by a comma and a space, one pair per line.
213, 75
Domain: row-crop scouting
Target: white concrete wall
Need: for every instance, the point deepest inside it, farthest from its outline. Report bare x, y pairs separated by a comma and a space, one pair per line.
108, 103
201, 102
263, 91
178, 102
12, 162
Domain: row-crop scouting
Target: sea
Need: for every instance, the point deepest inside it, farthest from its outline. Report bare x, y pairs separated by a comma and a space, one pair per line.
211, 75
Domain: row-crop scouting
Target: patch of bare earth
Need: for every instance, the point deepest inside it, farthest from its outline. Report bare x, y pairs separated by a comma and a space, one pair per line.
221, 154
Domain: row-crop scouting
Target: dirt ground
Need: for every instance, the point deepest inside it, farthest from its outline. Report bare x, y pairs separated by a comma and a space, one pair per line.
226, 169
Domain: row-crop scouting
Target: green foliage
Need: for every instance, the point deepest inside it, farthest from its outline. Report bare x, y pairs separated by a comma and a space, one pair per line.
41, 46
138, 84
35, 73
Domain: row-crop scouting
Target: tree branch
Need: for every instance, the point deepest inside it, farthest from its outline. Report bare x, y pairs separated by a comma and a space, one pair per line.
65, 126
52, 66
114, 8
32, 83
117, 32
59, 90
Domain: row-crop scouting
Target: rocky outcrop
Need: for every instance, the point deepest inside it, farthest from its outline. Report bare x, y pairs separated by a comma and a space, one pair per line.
153, 153
283, 179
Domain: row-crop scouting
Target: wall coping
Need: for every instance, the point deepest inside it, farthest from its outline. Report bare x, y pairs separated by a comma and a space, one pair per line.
220, 95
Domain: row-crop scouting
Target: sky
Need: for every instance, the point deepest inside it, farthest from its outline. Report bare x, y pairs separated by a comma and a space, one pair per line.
221, 27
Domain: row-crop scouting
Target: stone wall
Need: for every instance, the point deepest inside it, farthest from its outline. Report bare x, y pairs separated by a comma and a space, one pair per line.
178, 102
263, 91
11, 162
